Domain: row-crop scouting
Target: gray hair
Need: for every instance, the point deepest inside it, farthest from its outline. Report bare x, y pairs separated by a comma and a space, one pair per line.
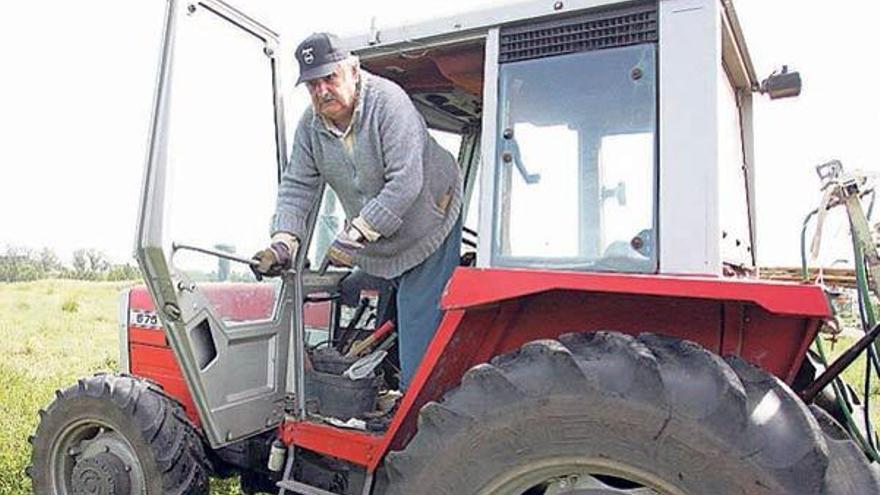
351, 61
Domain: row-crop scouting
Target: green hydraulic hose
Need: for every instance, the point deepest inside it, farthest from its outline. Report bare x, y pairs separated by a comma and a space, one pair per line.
869, 362
805, 276
838, 392
866, 293
837, 386
869, 319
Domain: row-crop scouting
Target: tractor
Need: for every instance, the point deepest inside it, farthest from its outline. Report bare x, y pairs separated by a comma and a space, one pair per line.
605, 333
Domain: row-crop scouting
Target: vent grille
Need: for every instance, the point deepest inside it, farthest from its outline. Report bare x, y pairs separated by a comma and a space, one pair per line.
594, 31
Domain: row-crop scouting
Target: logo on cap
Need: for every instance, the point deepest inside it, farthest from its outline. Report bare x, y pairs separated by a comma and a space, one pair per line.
307, 55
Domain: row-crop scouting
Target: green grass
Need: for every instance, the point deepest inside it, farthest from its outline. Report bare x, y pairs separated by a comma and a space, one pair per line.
53, 332
56, 331
855, 374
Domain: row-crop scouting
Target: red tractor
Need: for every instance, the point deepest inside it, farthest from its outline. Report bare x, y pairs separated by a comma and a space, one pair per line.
602, 335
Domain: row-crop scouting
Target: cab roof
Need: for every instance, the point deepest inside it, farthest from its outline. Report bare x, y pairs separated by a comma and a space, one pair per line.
474, 25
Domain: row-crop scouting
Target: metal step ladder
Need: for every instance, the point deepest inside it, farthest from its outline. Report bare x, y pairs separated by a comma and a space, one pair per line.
289, 486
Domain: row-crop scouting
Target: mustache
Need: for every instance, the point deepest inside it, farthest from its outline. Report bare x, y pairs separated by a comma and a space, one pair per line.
327, 98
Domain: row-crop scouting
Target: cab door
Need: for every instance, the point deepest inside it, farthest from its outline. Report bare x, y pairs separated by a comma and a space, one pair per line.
217, 144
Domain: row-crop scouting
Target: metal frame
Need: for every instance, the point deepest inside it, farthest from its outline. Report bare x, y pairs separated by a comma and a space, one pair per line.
471, 25
296, 371
122, 323
691, 53
738, 65
747, 138
736, 57
468, 159
689, 230
475, 25
488, 202
233, 399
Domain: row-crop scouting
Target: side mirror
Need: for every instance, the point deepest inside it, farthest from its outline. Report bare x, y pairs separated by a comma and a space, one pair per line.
781, 84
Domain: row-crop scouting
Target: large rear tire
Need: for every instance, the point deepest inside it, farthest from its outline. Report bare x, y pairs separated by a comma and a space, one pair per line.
607, 413
116, 435
849, 472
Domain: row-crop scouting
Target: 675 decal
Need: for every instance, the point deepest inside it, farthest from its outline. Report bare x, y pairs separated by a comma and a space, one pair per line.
144, 319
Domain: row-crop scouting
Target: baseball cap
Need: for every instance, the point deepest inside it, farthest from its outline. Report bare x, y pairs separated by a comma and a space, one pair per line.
318, 55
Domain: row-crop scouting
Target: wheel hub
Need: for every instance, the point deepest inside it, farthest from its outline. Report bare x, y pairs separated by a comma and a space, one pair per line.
92, 458
586, 484
103, 474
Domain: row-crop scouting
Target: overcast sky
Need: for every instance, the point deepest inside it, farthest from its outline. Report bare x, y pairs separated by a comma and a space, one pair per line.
78, 78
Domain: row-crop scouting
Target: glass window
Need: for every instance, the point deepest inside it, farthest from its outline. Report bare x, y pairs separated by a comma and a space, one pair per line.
462, 147
448, 140
331, 219
472, 209
576, 165
222, 164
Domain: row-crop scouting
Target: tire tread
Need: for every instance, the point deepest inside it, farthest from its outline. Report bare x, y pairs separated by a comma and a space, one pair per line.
176, 446
686, 386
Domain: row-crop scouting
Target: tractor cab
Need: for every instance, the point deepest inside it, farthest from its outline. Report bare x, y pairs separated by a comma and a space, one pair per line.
600, 136
558, 137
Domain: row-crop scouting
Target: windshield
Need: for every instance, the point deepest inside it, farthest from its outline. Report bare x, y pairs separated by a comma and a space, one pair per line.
576, 164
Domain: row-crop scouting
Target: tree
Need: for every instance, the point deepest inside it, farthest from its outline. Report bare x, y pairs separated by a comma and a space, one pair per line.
80, 263
19, 264
48, 261
97, 261
123, 272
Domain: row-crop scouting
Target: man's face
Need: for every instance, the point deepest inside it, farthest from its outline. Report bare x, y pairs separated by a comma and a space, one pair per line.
333, 95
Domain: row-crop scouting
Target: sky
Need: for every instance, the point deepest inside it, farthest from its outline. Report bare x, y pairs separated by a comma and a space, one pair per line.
78, 81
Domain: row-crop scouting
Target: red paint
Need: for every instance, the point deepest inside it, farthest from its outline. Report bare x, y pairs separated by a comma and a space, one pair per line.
160, 365
474, 286
493, 311
139, 299
149, 336
150, 355
239, 302
351, 445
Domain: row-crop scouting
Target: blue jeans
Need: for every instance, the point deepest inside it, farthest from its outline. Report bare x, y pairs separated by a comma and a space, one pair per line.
418, 302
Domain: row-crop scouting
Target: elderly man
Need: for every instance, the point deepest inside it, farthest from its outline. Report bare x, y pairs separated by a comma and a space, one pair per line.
400, 190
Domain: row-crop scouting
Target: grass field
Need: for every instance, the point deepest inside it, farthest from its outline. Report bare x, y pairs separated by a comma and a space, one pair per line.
56, 331
53, 332
855, 376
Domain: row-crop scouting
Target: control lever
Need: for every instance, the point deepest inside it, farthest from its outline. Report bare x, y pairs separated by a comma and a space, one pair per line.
513, 155
213, 252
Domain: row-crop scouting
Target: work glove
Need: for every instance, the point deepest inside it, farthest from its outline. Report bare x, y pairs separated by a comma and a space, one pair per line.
272, 261
345, 246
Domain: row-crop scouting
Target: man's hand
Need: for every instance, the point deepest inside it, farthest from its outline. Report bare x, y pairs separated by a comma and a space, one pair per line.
272, 261
344, 247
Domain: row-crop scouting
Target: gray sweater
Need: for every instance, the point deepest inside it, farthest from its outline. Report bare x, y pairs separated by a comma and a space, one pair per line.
396, 177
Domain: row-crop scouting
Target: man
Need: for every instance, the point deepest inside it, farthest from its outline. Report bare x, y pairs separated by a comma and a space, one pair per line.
400, 190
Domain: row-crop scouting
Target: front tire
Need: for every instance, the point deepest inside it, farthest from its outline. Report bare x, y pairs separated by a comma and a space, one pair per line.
116, 435
607, 413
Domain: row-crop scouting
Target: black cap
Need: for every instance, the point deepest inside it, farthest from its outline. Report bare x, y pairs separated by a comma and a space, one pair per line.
318, 55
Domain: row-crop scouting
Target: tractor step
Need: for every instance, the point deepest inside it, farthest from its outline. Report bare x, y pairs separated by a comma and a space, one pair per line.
291, 486
298, 487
